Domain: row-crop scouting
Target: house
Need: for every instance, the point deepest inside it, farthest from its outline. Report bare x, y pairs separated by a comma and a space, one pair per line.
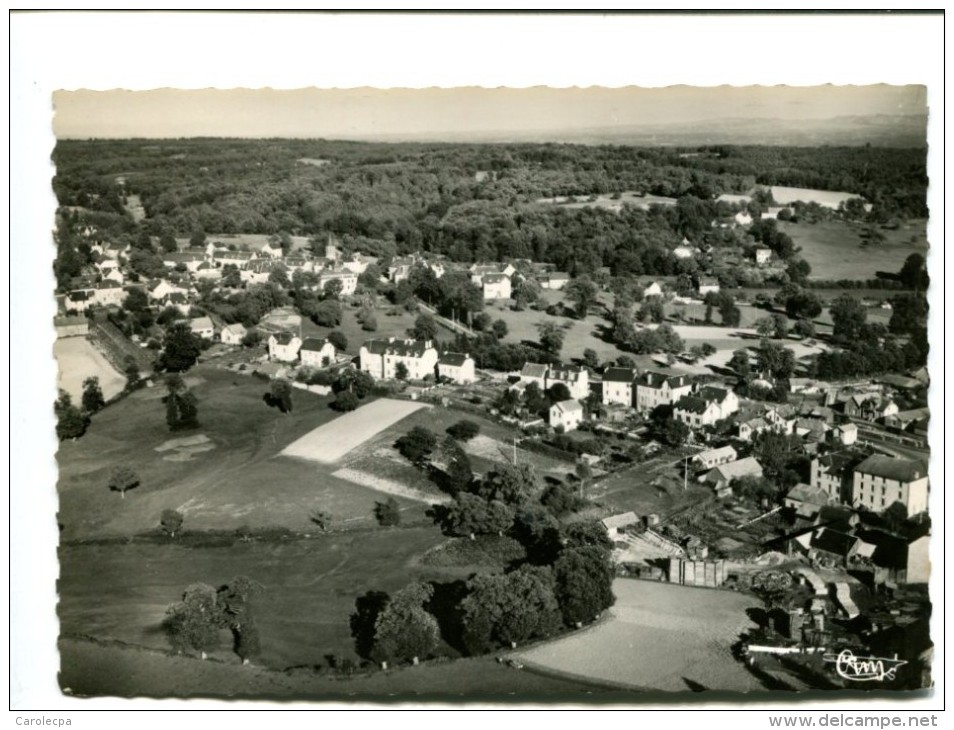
805, 494
239, 259
708, 284
79, 300
566, 414
496, 286
233, 334
159, 290
653, 289
108, 293
897, 560
762, 256
112, 273
880, 481
457, 367
619, 386
202, 327
833, 472
380, 358
714, 457
781, 418
271, 250
358, 264
576, 379
684, 252
189, 260
71, 326
554, 280
845, 434
479, 271
284, 347
400, 268
617, 524
317, 352
348, 279
695, 412
205, 270
724, 474
178, 300
832, 547
725, 399
257, 271
750, 428
655, 389
803, 385
742, 218
534, 373
870, 406
906, 420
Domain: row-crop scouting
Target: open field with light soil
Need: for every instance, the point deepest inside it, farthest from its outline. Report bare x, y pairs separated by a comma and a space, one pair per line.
834, 250
330, 442
658, 636
77, 359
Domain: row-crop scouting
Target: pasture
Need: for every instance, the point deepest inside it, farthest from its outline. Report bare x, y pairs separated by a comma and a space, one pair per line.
826, 198
77, 359
230, 479
834, 248
658, 636
330, 442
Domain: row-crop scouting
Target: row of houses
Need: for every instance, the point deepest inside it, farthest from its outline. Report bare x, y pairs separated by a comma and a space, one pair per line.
382, 357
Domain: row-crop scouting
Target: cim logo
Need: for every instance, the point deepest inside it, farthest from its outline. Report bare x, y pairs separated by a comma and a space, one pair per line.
864, 669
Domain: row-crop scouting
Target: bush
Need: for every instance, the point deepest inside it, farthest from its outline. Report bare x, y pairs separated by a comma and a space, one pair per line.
345, 401
388, 513
464, 430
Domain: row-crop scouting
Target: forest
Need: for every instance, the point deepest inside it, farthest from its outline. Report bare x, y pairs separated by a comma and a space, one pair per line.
389, 199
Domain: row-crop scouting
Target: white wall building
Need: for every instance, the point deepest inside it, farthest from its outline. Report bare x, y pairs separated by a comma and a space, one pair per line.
381, 357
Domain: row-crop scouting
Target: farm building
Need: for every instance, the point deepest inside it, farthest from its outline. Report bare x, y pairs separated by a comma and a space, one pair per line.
751, 427
380, 358
619, 386
724, 474
159, 290
897, 560
554, 280
567, 414
714, 457
684, 252
456, 367
233, 334
284, 347
655, 389
617, 524
317, 352
71, 326
879, 481
705, 573
653, 289
202, 327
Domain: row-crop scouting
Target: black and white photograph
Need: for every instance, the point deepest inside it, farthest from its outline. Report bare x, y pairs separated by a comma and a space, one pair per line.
607, 393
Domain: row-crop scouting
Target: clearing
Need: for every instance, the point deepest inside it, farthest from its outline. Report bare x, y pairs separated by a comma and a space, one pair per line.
658, 636
330, 442
77, 359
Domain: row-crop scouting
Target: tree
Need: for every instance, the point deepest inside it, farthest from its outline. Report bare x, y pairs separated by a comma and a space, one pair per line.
252, 338
551, 337
369, 323
236, 605
345, 401
387, 513
848, 317
590, 358
400, 371
357, 381
425, 327
652, 310
332, 289
279, 276
168, 242
774, 451
327, 313
896, 515
71, 423
171, 522
197, 239
560, 499
481, 322
280, 395
513, 484
131, 371
181, 405
584, 583
909, 313
194, 622
499, 328
765, 327
740, 363
417, 445
93, 399
587, 534
403, 629
625, 361
582, 292
471, 515
464, 430
367, 608
460, 473
914, 274
122, 478
802, 304
583, 472
321, 519
339, 340
559, 392
180, 349
804, 328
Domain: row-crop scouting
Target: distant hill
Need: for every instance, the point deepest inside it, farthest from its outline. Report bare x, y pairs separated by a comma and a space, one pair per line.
878, 130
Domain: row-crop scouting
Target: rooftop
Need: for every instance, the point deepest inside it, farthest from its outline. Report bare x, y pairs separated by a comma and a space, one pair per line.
314, 344
454, 359
619, 375
888, 467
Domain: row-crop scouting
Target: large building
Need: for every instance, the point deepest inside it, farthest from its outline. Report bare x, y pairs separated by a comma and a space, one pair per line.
833, 473
880, 481
380, 358
619, 386
317, 352
658, 389
458, 367
576, 379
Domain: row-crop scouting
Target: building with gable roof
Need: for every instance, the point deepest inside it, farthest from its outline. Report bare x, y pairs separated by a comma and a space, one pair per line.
380, 358
284, 347
656, 389
619, 386
879, 481
567, 414
317, 352
457, 367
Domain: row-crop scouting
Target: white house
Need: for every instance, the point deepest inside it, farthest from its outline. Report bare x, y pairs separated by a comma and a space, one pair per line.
763, 256
654, 289
162, 289
714, 457
496, 286
348, 279
742, 218
695, 412
619, 386
683, 252
112, 273
456, 367
879, 481
233, 334
79, 300
317, 352
272, 251
708, 284
576, 379
202, 327
554, 280
724, 474
846, 433
566, 413
108, 293
534, 373
381, 357
655, 389
724, 398
284, 347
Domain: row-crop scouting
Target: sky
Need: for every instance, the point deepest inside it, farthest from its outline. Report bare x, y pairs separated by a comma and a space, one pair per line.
368, 112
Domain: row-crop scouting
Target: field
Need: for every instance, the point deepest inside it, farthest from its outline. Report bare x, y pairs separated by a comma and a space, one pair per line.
826, 198
77, 359
389, 325
330, 442
238, 482
658, 636
834, 250
91, 669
